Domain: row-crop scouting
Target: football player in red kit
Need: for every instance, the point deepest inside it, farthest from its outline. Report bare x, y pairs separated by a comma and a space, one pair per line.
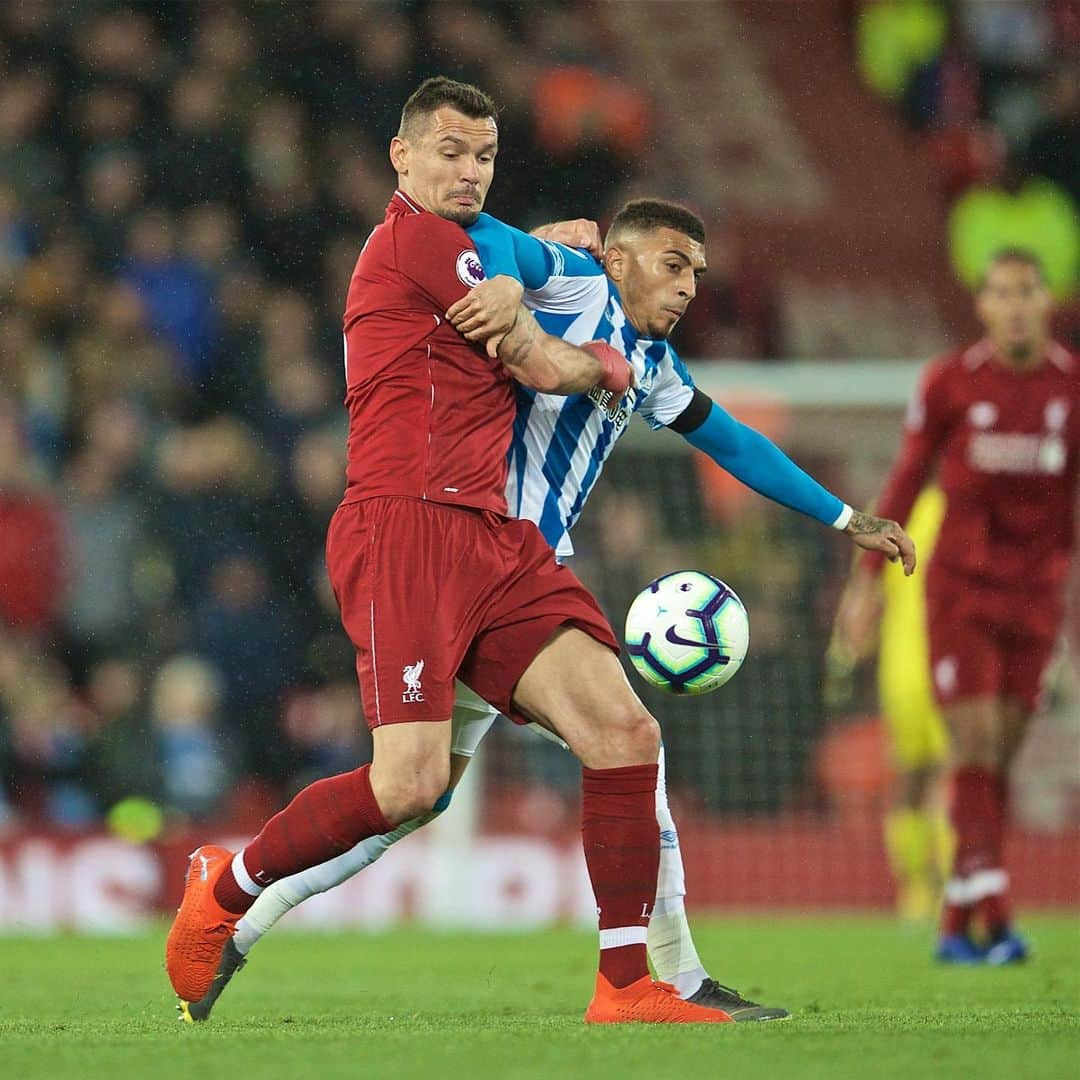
1000, 420
435, 581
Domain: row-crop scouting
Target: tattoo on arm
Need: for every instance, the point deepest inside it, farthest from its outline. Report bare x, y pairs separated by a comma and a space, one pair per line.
862, 524
544, 362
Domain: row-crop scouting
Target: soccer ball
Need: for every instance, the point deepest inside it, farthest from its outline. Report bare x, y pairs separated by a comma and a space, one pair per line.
687, 632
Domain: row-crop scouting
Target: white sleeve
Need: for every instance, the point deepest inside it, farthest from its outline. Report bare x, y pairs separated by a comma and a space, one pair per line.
577, 282
671, 392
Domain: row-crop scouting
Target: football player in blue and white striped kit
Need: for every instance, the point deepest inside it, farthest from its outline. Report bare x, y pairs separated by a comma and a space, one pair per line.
632, 299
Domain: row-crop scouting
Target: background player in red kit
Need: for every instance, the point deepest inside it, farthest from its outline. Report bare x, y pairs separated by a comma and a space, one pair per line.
434, 581
1001, 420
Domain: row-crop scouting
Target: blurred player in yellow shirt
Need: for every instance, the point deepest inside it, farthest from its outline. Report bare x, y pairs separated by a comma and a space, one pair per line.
917, 833
918, 837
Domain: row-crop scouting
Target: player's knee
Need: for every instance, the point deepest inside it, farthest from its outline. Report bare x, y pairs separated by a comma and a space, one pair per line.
410, 795
410, 801
644, 734
632, 732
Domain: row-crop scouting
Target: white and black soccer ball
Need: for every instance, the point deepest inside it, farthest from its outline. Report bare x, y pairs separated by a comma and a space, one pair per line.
687, 632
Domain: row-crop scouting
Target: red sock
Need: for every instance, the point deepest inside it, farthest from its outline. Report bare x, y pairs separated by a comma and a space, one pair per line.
978, 819
996, 913
995, 909
622, 851
956, 919
323, 821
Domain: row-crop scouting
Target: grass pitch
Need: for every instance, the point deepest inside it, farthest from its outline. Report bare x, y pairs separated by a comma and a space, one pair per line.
867, 1002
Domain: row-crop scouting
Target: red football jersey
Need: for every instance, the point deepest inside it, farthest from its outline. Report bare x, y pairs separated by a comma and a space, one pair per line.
430, 415
1007, 445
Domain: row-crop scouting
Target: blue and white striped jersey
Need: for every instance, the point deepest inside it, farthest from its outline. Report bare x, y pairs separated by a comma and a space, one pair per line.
560, 444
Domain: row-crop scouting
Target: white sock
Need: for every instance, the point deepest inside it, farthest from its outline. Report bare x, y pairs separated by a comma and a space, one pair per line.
670, 944
284, 895
671, 949
272, 903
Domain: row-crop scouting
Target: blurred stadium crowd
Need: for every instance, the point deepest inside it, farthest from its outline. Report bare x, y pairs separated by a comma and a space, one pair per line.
183, 191
993, 89
184, 188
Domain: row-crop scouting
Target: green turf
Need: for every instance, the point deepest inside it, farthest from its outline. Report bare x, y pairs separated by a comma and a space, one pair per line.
867, 1003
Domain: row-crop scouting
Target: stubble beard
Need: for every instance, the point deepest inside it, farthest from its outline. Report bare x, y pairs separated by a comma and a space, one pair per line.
461, 215
662, 332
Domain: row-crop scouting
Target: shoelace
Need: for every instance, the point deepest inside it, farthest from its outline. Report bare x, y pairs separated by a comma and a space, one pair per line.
206, 949
673, 1005
732, 996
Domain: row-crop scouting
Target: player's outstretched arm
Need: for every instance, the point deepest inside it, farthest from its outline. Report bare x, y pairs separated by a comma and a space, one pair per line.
760, 464
756, 461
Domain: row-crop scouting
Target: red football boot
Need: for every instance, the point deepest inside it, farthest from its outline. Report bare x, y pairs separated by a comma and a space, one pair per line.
201, 927
647, 1002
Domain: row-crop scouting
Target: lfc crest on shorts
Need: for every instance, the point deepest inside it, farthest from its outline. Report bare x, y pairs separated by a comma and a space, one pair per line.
411, 676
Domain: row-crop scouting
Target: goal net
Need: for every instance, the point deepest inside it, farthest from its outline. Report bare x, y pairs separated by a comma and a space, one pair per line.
779, 795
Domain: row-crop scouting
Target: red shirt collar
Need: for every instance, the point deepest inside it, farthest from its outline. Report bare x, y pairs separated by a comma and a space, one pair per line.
985, 350
400, 203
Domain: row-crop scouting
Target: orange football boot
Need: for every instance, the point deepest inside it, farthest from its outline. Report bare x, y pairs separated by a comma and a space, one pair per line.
201, 927
647, 1002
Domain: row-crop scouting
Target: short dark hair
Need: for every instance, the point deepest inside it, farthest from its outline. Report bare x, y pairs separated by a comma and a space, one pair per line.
642, 215
433, 93
1023, 256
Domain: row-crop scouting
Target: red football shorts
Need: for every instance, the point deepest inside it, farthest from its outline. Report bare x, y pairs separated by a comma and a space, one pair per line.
429, 593
989, 641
